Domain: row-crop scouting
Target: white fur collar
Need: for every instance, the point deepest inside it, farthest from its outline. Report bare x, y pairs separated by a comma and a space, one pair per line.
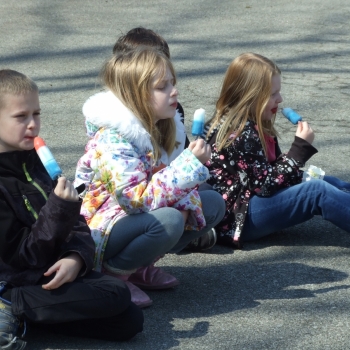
105, 110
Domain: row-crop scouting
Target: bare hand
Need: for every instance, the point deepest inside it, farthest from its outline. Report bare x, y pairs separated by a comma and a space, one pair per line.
66, 269
201, 150
65, 190
305, 132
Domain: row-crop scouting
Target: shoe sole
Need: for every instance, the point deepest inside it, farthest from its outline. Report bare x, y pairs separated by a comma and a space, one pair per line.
143, 305
148, 287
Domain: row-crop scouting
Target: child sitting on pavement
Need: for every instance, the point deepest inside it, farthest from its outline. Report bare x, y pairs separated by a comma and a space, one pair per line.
263, 187
46, 248
146, 37
137, 215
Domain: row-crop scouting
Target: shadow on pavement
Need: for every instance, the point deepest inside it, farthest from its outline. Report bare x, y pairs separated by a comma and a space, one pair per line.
209, 291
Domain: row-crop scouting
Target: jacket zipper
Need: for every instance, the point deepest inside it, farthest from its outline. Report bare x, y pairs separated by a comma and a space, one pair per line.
26, 200
29, 207
33, 182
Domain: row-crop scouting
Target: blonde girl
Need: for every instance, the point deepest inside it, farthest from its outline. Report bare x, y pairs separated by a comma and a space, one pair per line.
136, 215
262, 186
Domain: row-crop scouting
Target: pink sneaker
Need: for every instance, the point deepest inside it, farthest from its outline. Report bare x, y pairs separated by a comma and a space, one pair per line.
151, 277
138, 297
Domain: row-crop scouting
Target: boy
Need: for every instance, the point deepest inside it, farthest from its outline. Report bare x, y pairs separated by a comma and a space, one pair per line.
46, 250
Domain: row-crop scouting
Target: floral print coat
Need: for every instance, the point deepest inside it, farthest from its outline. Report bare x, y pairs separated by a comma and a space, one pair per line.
117, 171
242, 170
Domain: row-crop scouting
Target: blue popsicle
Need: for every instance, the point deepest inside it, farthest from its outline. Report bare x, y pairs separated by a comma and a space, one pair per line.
198, 122
291, 115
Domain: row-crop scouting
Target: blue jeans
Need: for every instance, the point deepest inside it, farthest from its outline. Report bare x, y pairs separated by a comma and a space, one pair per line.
329, 198
136, 240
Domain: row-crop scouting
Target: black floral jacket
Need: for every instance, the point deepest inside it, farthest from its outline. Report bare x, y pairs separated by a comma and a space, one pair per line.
241, 171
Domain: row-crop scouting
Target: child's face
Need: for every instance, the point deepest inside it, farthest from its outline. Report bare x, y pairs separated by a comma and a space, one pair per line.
164, 97
19, 121
275, 98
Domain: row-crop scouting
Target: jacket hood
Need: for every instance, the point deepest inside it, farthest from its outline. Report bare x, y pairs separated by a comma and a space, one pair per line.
105, 110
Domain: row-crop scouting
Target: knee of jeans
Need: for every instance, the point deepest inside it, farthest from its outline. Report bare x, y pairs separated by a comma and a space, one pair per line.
172, 223
317, 185
221, 207
213, 206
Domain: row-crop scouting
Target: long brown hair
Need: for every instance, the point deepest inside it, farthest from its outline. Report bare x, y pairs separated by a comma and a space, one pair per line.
245, 92
130, 76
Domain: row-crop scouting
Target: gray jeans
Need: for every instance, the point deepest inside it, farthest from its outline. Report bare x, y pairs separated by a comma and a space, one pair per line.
136, 240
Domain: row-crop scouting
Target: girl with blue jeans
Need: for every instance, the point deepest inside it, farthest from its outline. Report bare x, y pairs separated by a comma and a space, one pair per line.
263, 187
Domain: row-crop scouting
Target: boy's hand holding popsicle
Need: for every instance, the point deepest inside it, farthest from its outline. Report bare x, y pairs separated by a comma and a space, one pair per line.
64, 188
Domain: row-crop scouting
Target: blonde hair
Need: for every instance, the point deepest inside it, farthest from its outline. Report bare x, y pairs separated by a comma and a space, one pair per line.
245, 92
130, 76
14, 83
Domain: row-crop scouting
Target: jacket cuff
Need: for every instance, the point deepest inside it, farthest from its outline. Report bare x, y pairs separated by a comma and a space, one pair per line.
87, 267
301, 151
72, 207
192, 203
190, 168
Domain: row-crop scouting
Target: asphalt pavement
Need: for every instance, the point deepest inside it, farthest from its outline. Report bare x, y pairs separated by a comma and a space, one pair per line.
290, 290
